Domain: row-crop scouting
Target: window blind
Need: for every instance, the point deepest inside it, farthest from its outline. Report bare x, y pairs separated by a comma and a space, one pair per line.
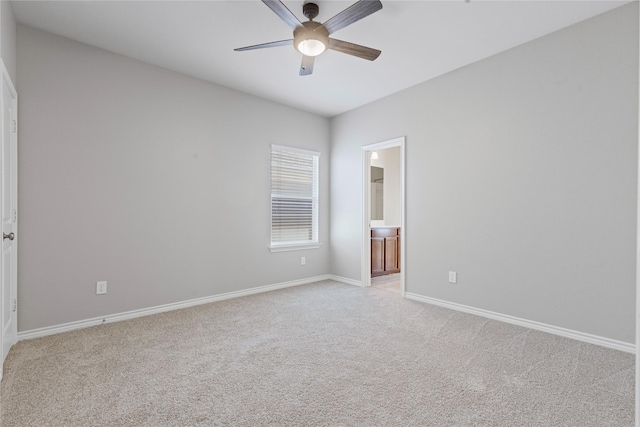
294, 196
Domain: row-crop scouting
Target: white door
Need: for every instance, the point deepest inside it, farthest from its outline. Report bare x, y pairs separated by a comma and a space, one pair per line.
8, 213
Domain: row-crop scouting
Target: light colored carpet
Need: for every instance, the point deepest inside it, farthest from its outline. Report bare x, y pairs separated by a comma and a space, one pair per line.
322, 354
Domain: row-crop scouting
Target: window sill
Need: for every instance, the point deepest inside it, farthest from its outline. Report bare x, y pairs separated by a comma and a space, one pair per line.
294, 247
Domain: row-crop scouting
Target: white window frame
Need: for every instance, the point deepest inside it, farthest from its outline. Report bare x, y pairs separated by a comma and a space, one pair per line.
297, 245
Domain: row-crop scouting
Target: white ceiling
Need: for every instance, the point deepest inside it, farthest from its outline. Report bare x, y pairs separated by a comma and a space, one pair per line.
419, 41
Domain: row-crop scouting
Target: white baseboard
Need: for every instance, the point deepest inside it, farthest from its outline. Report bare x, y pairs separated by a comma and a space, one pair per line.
66, 327
568, 333
345, 280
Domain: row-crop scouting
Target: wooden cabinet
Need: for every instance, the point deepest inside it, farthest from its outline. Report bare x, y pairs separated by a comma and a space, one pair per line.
385, 251
377, 256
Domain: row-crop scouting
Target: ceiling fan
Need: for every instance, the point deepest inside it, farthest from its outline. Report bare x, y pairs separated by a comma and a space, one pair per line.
312, 38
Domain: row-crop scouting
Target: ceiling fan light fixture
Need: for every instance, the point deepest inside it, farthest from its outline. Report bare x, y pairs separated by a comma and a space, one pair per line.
311, 47
311, 39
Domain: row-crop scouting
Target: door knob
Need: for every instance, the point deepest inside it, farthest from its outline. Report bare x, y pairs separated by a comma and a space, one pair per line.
9, 236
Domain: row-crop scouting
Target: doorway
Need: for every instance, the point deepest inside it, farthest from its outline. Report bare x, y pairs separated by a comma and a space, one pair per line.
383, 215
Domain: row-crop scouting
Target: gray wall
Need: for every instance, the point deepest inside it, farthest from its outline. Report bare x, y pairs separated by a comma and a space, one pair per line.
8, 38
521, 176
151, 180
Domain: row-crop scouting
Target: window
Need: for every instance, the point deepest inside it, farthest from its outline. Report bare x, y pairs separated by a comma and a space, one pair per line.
294, 198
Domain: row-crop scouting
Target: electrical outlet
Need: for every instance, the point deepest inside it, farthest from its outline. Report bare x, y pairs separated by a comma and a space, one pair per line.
453, 277
303, 260
101, 288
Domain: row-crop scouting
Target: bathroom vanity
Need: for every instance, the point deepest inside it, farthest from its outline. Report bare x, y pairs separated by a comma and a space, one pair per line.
385, 250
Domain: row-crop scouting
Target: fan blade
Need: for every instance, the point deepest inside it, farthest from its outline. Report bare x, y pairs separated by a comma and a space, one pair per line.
306, 67
353, 13
354, 49
283, 12
264, 45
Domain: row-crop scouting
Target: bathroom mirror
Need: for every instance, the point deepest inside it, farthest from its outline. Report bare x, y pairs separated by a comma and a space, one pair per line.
377, 193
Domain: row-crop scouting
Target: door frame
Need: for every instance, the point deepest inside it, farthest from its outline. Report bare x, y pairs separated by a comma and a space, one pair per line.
637, 313
366, 210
